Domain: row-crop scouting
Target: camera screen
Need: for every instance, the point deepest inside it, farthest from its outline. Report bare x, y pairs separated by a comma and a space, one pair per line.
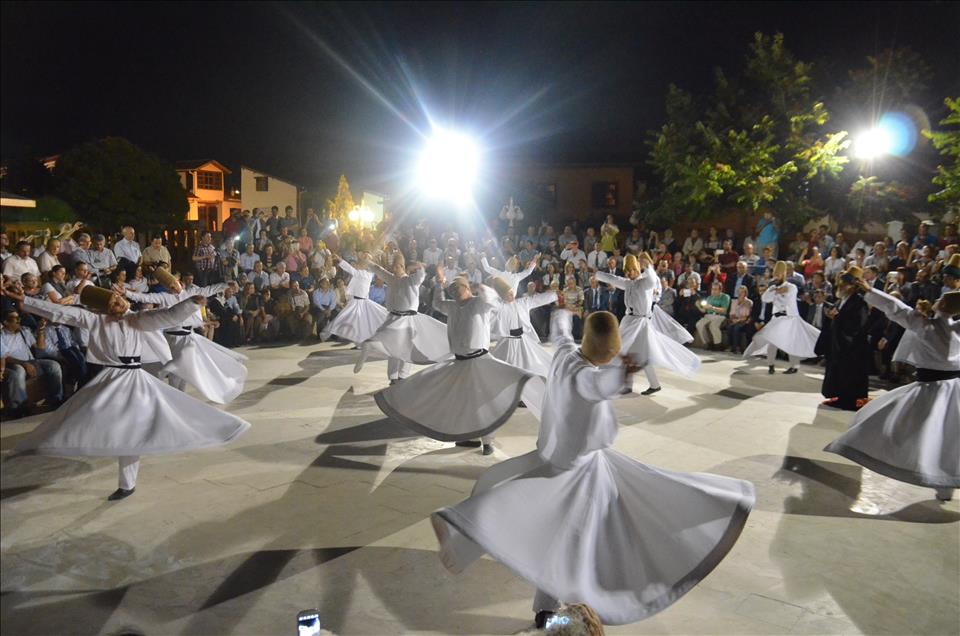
308, 624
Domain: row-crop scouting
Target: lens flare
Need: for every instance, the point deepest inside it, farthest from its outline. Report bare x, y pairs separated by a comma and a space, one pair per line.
448, 167
895, 134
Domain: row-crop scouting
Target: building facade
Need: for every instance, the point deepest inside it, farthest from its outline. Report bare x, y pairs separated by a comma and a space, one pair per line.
261, 190
559, 193
210, 200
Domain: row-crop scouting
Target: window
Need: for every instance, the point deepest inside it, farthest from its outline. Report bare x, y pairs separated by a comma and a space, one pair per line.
605, 194
209, 180
263, 184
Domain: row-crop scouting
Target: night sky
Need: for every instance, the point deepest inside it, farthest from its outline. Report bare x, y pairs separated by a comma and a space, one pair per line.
307, 91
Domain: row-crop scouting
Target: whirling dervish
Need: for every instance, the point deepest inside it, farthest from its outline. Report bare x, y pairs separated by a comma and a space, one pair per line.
647, 347
406, 337
361, 317
520, 346
124, 411
468, 397
786, 331
512, 276
912, 433
216, 372
582, 522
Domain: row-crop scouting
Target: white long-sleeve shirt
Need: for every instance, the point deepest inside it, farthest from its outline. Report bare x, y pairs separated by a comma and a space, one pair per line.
782, 303
468, 322
512, 279
360, 280
637, 292
109, 338
516, 314
166, 299
577, 416
403, 292
129, 250
929, 343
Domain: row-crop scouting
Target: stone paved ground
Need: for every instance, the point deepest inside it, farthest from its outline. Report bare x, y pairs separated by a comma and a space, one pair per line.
324, 503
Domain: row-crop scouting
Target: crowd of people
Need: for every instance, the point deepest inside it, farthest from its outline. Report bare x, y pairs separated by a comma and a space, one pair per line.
285, 283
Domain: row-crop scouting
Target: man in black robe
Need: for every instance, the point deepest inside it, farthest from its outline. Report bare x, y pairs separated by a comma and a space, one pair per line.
848, 356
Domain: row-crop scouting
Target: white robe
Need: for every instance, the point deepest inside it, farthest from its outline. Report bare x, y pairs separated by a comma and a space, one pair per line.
415, 338
498, 328
459, 399
215, 371
126, 411
586, 524
912, 433
790, 333
525, 350
638, 338
361, 317
664, 322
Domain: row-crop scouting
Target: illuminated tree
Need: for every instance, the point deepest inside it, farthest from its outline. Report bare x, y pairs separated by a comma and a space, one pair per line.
342, 203
948, 143
760, 141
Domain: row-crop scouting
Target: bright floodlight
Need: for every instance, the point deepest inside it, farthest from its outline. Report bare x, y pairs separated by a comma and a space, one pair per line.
448, 166
874, 143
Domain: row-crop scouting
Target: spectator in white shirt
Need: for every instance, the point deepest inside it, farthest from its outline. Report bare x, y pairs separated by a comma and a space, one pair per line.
18, 363
280, 279
573, 254
81, 278
433, 255
248, 259
102, 261
127, 251
21, 262
258, 277
597, 258
4, 244
49, 256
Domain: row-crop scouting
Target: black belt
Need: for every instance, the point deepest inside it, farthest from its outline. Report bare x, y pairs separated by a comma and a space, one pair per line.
359, 297
516, 333
779, 314
630, 312
178, 332
404, 313
935, 375
471, 355
129, 362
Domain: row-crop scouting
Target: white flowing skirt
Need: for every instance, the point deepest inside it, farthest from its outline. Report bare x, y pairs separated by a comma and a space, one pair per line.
215, 371
359, 320
456, 400
130, 412
911, 434
155, 349
646, 345
791, 334
625, 538
665, 324
525, 353
499, 327
418, 338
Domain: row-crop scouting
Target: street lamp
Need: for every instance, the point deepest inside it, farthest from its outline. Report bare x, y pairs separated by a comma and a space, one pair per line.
895, 134
448, 167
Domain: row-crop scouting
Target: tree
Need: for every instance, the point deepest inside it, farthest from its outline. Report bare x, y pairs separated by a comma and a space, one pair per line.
342, 204
111, 182
948, 143
894, 187
761, 142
